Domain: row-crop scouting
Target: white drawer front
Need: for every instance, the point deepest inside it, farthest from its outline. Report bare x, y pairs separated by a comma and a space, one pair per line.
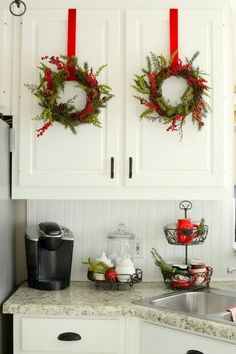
97, 336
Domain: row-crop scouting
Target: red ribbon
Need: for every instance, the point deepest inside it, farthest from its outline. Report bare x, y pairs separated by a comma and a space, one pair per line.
71, 41
174, 35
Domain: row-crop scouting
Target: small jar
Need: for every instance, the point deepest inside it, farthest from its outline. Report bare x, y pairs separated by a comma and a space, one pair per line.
124, 270
99, 276
199, 272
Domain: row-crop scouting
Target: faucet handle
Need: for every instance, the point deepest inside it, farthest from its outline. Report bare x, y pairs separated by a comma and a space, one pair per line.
230, 270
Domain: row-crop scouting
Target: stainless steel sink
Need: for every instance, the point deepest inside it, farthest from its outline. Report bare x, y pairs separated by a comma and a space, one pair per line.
206, 303
196, 302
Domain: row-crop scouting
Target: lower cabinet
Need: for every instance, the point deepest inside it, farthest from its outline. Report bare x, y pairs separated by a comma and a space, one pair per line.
162, 340
87, 335
68, 335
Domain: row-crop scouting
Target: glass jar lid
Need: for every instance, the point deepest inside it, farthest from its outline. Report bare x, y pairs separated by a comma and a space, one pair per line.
121, 232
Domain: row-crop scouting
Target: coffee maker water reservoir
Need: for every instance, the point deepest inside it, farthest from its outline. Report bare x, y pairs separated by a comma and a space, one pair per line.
49, 250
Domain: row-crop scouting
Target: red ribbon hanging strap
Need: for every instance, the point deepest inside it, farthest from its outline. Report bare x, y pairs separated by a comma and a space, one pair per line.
174, 35
71, 41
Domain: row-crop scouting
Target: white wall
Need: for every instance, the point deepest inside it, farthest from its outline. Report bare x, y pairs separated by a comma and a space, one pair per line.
234, 80
7, 239
20, 261
90, 221
7, 266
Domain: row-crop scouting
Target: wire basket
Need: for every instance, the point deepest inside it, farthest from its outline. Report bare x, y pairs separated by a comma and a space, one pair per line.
128, 280
191, 236
190, 280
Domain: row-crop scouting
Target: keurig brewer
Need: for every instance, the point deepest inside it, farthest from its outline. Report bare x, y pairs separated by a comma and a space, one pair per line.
49, 250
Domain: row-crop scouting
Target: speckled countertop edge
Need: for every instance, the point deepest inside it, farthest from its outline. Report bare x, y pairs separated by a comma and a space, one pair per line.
83, 299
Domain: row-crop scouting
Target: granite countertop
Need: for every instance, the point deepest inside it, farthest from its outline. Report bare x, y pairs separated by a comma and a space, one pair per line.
83, 299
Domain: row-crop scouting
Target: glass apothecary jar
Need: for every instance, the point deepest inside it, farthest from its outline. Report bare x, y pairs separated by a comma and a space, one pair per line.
120, 244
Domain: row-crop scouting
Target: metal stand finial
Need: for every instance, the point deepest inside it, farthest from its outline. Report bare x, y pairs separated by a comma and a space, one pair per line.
18, 3
185, 205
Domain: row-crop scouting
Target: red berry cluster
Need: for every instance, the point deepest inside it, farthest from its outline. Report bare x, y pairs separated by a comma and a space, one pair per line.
87, 110
180, 66
91, 78
198, 82
151, 105
197, 113
43, 129
177, 118
152, 79
55, 61
48, 76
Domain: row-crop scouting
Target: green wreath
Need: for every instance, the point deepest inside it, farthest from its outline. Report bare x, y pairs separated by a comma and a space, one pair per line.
149, 84
52, 79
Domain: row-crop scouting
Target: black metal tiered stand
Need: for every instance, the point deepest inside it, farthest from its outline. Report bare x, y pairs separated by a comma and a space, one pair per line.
197, 237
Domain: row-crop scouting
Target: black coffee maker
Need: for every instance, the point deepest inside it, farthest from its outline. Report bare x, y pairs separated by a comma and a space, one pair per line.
49, 250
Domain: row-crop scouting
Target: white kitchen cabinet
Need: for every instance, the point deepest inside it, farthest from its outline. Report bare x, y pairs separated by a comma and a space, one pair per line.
61, 165
108, 336
161, 340
60, 158
5, 59
40, 335
159, 157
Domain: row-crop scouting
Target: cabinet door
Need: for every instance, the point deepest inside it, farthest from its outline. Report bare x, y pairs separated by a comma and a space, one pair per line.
5, 58
160, 340
60, 158
159, 157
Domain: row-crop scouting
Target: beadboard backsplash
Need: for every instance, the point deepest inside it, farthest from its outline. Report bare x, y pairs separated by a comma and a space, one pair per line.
90, 221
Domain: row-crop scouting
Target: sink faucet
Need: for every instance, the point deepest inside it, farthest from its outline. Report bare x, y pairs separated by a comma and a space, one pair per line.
231, 270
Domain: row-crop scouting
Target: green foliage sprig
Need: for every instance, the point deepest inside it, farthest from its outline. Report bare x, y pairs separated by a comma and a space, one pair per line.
96, 266
165, 268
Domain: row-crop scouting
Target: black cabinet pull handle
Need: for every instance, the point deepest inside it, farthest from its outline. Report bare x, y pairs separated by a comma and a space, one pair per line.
194, 352
130, 167
69, 336
112, 167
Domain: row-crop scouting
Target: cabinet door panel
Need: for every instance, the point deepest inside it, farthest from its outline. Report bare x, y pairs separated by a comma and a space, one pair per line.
160, 158
60, 158
159, 340
91, 331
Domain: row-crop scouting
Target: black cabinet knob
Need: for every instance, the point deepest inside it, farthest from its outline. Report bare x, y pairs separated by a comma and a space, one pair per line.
194, 352
69, 336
